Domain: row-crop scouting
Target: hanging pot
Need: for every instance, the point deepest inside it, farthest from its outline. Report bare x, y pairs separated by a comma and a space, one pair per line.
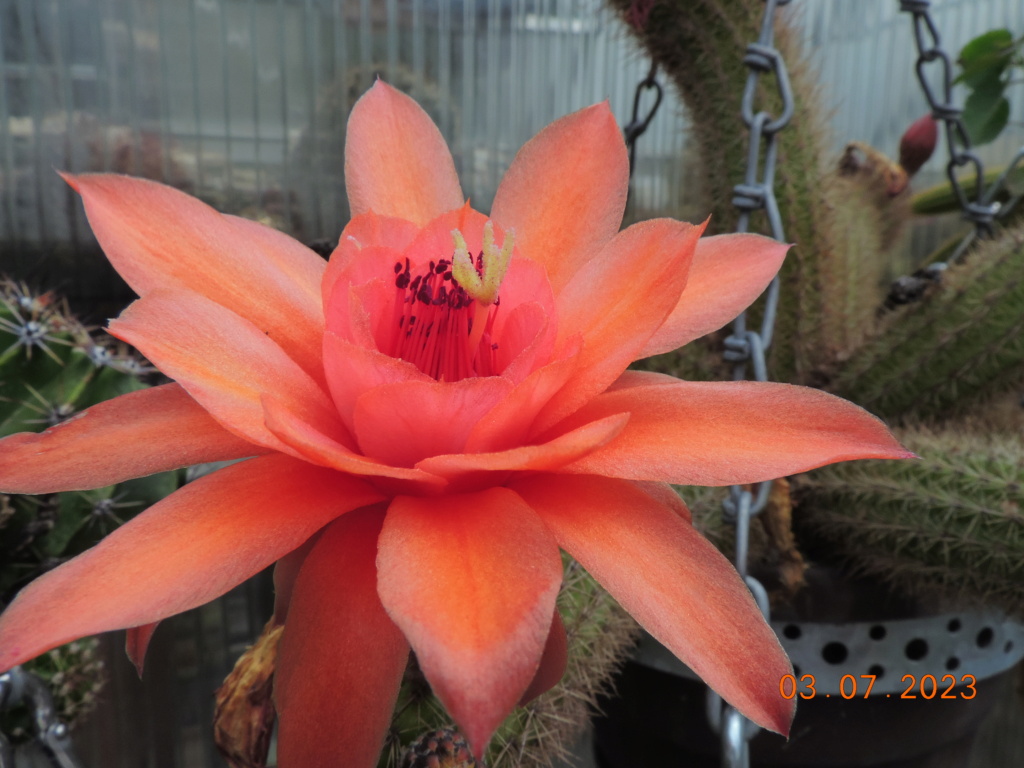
882, 687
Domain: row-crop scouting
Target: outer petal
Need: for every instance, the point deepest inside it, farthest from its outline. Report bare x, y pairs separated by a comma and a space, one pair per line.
137, 434
471, 580
673, 581
565, 192
616, 302
724, 433
552, 664
137, 643
223, 361
396, 161
341, 658
187, 549
158, 237
727, 274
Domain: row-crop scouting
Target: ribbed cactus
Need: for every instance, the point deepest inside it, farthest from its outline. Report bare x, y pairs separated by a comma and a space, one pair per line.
700, 44
539, 734
51, 367
950, 523
946, 354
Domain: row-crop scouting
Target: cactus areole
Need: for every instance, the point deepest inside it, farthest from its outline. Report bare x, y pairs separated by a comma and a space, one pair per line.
392, 462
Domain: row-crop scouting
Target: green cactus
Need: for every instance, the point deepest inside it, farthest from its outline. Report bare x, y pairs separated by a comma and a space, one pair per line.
950, 521
700, 44
949, 353
51, 367
948, 524
539, 734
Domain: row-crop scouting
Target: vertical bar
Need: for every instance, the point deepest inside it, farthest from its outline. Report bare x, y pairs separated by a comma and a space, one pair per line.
254, 57
166, 135
197, 113
444, 80
62, 71
133, 75
283, 64
11, 232
229, 176
419, 63
468, 138
314, 132
28, 26
493, 107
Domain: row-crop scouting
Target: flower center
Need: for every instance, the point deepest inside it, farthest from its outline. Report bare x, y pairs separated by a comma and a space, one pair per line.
444, 314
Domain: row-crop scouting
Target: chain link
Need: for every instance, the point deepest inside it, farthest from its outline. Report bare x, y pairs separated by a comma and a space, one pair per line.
637, 125
52, 736
980, 206
745, 346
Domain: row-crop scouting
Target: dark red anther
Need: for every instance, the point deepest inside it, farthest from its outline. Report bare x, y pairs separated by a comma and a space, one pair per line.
398, 267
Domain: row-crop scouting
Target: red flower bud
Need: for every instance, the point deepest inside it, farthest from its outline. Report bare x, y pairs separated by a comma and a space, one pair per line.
918, 143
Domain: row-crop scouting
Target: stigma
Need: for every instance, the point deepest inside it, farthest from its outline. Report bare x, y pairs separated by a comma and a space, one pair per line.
443, 320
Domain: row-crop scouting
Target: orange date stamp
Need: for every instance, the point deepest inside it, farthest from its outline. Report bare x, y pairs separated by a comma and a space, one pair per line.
851, 687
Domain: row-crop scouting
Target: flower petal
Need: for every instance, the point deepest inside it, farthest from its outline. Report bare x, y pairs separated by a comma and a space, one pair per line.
137, 434
223, 361
565, 192
341, 658
313, 445
617, 301
405, 422
471, 580
466, 467
727, 274
159, 237
365, 231
673, 581
187, 549
552, 663
136, 643
396, 161
725, 433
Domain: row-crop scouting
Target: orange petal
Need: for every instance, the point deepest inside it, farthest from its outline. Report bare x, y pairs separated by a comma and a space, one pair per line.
285, 572
137, 434
673, 582
136, 643
552, 663
725, 433
341, 658
727, 274
405, 422
158, 237
313, 445
223, 361
396, 161
471, 580
187, 549
565, 192
617, 301
353, 369
465, 467
366, 231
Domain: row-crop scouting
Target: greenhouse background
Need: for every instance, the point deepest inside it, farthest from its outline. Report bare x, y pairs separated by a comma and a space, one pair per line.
243, 103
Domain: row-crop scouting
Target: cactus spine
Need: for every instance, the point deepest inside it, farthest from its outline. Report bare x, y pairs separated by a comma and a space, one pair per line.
51, 367
950, 523
946, 354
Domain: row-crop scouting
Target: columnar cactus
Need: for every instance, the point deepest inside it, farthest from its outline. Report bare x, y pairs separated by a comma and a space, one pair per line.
951, 522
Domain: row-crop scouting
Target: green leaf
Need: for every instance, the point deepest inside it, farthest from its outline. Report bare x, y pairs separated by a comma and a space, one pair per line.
986, 113
984, 59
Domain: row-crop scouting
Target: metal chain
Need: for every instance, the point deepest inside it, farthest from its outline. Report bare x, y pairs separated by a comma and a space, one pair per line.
637, 125
52, 736
745, 346
981, 207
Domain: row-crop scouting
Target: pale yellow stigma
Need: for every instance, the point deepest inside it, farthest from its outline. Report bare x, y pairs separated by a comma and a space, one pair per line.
483, 285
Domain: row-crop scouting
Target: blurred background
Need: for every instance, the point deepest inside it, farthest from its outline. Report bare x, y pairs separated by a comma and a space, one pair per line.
243, 103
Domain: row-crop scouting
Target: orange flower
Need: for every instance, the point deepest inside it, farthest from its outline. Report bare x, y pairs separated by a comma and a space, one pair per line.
427, 419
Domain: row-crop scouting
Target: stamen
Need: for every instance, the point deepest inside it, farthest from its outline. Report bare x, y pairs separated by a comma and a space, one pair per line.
443, 318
